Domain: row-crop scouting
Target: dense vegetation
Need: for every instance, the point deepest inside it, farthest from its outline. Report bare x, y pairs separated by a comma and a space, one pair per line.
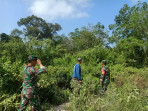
128, 60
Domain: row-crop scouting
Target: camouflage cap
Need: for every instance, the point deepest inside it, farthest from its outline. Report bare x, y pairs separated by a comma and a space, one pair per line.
104, 61
32, 57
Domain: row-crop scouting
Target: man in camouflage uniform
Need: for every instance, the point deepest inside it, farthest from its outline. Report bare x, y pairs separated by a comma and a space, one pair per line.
29, 91
105, 77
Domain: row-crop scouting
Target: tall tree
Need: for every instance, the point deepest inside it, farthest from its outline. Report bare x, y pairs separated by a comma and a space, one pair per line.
16, 32
89, 36
38, 28
131, 21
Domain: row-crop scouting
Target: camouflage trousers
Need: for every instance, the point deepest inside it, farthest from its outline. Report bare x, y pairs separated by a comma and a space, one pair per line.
29, 99
104, 85
75, 85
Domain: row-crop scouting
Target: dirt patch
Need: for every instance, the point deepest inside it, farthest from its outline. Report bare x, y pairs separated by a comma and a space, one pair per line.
61, 107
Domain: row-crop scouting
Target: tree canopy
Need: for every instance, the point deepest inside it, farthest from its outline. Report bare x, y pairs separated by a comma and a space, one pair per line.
38, 28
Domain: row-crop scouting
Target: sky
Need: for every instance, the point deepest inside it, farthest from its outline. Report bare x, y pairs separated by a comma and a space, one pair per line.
70, 14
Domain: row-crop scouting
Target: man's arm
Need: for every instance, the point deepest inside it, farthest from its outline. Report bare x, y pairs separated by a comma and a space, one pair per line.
101, 79
79, 74
42, 68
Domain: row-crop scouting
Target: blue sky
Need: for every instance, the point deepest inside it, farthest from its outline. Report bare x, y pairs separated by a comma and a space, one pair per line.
70, 14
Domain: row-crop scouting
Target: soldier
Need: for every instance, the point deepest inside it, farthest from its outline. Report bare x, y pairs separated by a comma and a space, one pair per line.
29, 91
76, 77
105, 77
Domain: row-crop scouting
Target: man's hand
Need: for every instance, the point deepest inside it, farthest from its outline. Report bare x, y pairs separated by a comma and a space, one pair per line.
100, 83
39, 62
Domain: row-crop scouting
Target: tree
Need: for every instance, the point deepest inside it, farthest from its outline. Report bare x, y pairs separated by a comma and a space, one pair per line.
130, 51
88, 37
16, 33
85, 40
4, 37
38, 28
14, 50
101, 33
131, 21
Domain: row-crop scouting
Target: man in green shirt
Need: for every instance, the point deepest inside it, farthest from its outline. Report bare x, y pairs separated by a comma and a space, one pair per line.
29, 91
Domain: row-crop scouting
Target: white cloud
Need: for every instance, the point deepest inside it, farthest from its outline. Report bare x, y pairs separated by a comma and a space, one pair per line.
57, 9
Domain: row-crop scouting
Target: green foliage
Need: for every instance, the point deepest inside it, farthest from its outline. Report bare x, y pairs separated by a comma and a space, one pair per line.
9, 102
97, 54
4, 37
16, 33
123, 93
38, 28
14, 50
130, 51
128, 88
88, 37
131, 21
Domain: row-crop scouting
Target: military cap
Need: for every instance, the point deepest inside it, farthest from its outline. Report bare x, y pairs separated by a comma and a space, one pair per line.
104, 62
32, 57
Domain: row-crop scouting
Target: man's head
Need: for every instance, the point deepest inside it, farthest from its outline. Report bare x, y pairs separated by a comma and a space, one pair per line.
79, 60
104, 62
32, 60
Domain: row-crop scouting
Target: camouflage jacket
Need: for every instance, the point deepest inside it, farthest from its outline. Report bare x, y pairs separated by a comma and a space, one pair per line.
105, 73
30, 82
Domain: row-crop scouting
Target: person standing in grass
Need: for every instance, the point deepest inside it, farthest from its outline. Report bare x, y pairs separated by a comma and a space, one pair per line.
105, 77
29, 91
76, 77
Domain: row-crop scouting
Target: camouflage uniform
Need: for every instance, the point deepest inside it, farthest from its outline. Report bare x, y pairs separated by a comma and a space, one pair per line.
105, 78
29, 91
